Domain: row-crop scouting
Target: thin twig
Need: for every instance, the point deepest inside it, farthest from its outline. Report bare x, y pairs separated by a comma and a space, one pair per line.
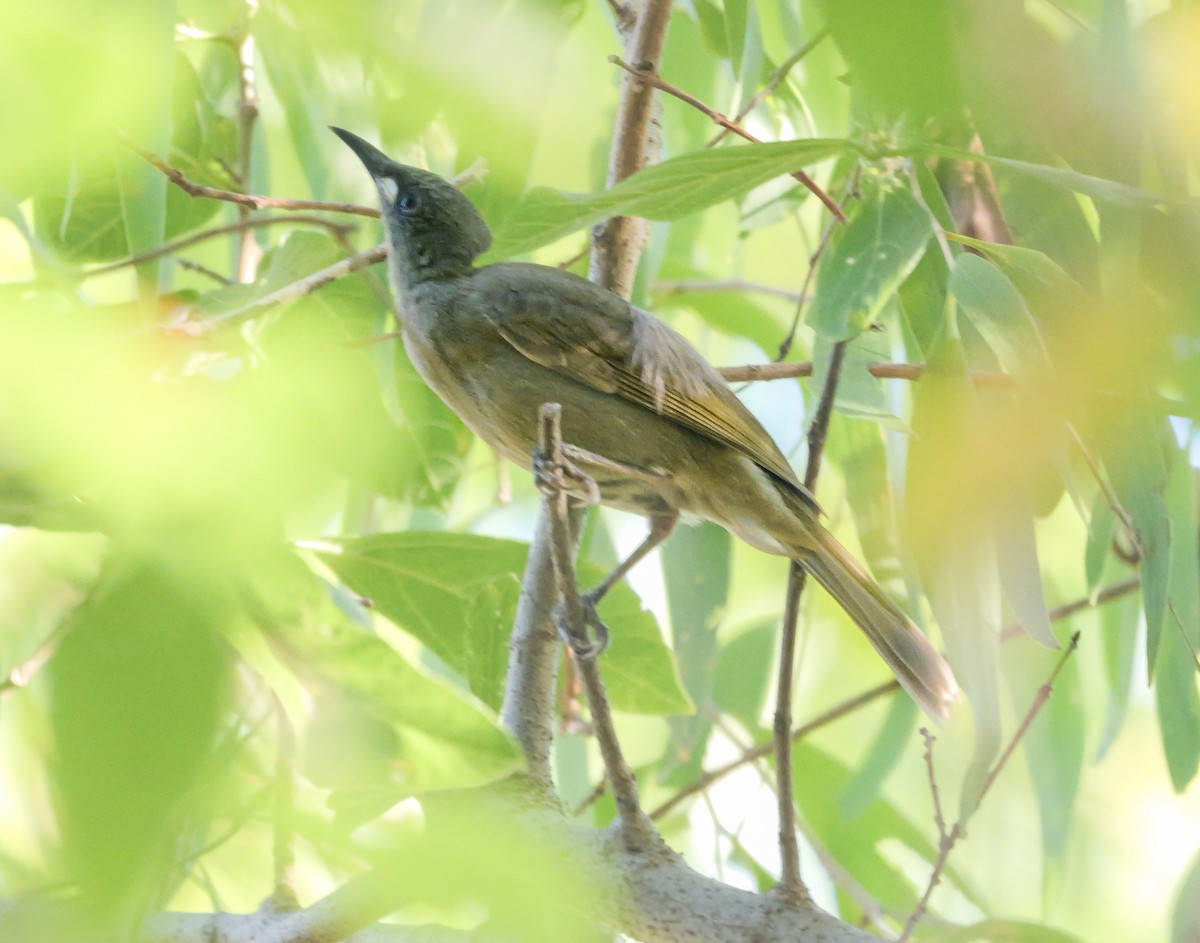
1058, 613
773, 82
283, 897
884, 371
203, 270
823, 719
958, 830
249, 252
252, 201
851, 190
19, 675
310, 283
651, 78
939, 819
1066, 610
555, 505
777, 370
699, 285
788, 848
176, 245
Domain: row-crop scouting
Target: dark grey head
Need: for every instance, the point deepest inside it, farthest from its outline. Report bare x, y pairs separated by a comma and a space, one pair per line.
433, 230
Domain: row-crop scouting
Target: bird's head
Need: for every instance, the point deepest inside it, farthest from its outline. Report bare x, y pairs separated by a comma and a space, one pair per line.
433, 231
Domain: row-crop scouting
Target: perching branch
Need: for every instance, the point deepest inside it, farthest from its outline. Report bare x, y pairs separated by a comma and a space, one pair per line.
555, 506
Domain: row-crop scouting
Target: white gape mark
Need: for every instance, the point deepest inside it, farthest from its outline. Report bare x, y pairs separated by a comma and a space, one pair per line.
388, 189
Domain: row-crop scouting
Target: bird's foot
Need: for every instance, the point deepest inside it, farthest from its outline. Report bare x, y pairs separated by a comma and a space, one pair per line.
552, 478
596, 633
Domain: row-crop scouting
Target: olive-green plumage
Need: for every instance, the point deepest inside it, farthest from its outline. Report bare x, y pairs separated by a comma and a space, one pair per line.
497, 342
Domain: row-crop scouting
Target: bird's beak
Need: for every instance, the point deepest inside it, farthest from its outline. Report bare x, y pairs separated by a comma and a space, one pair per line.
373, 159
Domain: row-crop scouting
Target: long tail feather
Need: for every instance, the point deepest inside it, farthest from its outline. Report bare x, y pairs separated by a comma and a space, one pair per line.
918, 666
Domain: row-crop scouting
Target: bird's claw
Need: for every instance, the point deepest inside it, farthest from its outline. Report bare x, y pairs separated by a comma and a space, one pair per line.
554, 477
588, 648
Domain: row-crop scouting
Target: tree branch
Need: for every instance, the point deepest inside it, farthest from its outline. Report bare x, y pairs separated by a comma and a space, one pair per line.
637, 141
249, 252
250, 201
554, 506
788, 848
254, 222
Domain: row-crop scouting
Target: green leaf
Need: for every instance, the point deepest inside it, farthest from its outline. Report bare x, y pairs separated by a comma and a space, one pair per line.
137, 686
431, 584
879, 247
295, 74
665, 191
1101, 523
857, 448
1119, 636
1035, 274
743, 672
887, 749
730, 311
1132, 448
1185, 917
1054, 746
441, 739
1176, 694
1185, 553
1107, 191
857, 843
1003, 931
696, 571
736, 16
996, 310
860, 394
949, 534
1018, 567
455, 593
640, 673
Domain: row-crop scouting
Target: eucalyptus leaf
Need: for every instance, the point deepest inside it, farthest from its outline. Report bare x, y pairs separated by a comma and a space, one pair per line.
674, 188
878, 249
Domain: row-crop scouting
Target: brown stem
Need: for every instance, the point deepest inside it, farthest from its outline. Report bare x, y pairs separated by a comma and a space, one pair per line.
649, 77
699, 285
249, 252
1066, 610
805, 290
618, 242
283, 896
176, 245
788, 848
176, 176
555, 506
772, 83
958, 830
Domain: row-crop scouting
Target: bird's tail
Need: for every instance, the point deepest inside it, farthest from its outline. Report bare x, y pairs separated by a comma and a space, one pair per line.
918, 666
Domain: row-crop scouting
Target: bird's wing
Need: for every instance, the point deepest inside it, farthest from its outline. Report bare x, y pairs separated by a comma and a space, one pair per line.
590, 335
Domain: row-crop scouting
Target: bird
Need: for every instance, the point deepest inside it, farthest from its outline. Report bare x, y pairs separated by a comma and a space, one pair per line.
654, 427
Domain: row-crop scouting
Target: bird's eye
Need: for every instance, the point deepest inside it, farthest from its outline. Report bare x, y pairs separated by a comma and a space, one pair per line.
408, 201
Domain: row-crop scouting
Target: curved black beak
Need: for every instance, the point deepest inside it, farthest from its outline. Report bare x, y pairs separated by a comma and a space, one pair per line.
372, 157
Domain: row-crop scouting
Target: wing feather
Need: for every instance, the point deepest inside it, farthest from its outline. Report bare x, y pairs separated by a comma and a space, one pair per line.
571, 326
